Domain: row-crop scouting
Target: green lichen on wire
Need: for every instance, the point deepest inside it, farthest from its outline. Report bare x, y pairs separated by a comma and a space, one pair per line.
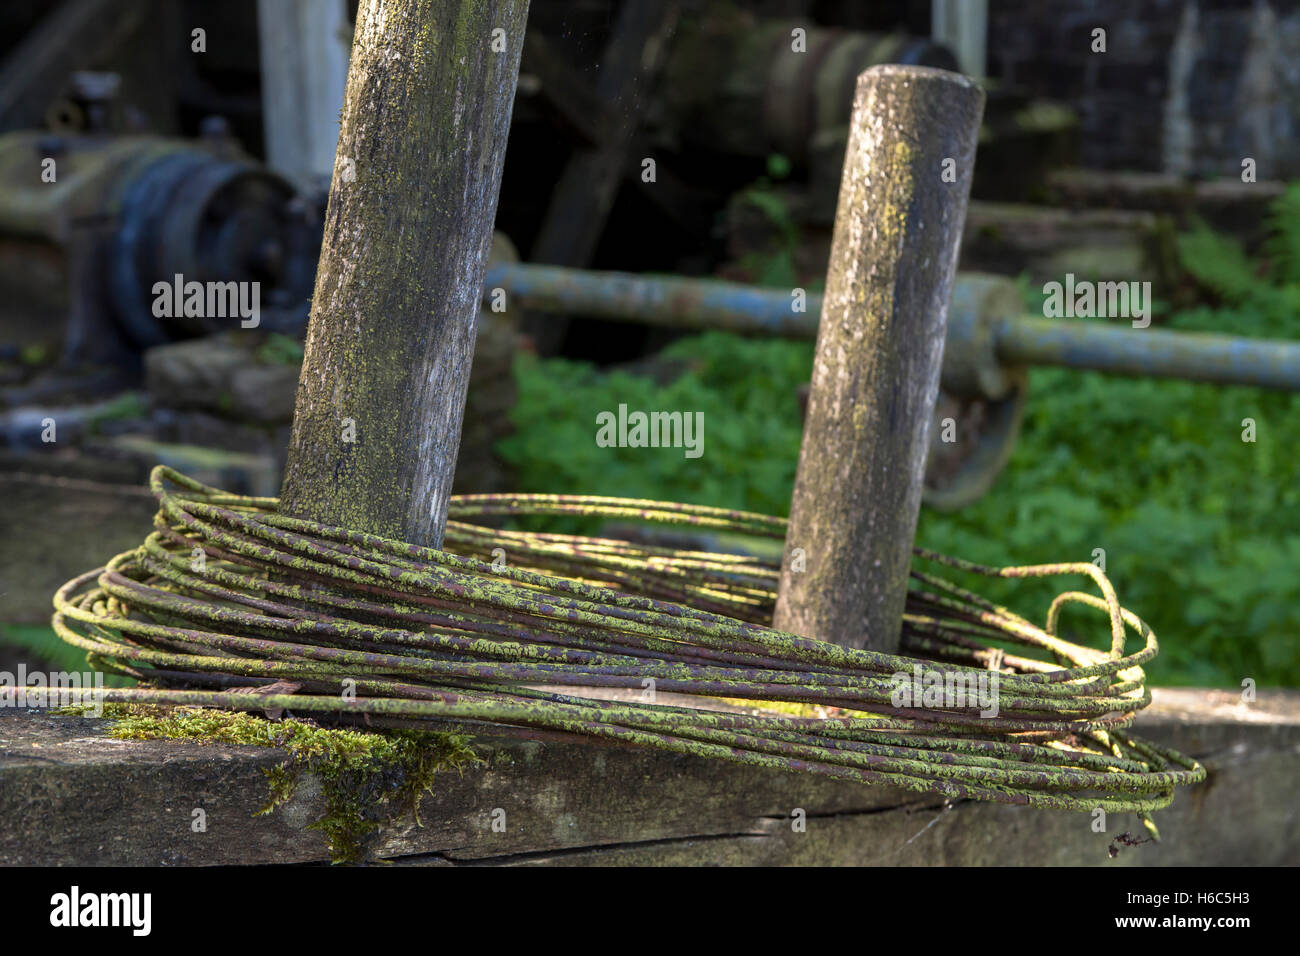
367, 779
228, 593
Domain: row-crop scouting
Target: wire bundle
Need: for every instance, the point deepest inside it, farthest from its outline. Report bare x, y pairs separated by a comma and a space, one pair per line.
230, 603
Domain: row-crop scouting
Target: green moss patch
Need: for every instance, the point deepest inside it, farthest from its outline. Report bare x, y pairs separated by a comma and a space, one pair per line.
368, 778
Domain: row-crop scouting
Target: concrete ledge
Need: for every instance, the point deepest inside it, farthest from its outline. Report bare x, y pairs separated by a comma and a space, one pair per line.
70, 795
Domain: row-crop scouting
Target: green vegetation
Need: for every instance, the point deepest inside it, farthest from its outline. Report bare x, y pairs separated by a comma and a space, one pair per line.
123, 407
746, 390
776, 265
1201, 529
41, 641
367, 779
279, 349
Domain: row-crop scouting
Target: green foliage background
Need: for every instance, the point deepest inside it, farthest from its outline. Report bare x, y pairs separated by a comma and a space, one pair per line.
1200, 528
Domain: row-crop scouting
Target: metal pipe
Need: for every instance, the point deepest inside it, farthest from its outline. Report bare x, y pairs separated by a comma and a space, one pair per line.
668, 301
1018, 340
1150, 353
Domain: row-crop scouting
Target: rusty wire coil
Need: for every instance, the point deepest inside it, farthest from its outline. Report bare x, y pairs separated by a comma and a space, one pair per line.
227, 594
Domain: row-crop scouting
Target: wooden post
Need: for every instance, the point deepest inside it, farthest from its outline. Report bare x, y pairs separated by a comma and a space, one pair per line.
304, 60
391, 337
898, 225
962, 25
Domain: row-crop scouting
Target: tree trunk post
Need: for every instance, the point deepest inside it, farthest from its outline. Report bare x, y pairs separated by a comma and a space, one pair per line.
414, 194
857, 493
304, 66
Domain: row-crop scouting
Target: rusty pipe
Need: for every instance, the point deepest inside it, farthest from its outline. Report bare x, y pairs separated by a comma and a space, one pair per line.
988, 337
1151, 353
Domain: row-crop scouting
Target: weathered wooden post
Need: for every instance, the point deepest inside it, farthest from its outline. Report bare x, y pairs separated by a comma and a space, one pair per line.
391, 337
304, 63
857, 493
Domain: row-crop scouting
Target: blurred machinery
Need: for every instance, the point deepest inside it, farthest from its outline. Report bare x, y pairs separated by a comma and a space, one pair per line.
91, 218
734, 87
94, 212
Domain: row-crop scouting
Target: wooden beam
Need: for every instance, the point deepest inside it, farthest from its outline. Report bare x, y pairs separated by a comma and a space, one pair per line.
962, 25
565, 91
391, 337
594, 121
69, 795
304, 59
898, 227
584, 195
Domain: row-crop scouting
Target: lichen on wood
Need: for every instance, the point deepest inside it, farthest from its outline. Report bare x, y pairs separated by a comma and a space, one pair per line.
367, 778
391, 337
879, 346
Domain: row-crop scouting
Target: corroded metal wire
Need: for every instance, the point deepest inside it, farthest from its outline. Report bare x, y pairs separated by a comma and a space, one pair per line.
228, 594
